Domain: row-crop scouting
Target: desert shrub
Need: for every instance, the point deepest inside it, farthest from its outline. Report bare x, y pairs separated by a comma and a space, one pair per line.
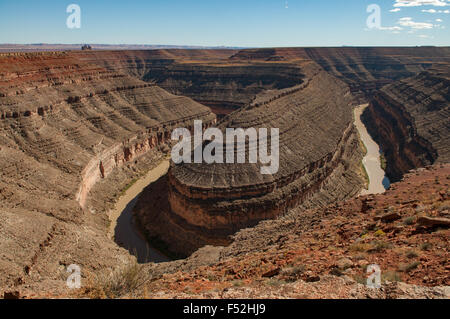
360, 279
336, 272
409, 267
426, 246
409, 220
391, 276
379, 233
412, 254
274, 282
378, 246
125, 280
292, 274
360, 247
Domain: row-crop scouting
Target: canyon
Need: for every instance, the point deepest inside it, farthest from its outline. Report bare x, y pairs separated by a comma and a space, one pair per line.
78, 129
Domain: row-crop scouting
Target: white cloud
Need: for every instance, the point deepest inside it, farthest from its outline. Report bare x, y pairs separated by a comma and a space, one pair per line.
408, 22
439, 20
391, 28
419, 3
436, 11
395, 10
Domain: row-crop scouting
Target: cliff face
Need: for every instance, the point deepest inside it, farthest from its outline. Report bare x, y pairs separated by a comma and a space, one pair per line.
227, 79
66, 124
318, 143
366, 70
410, 120
225, 88
207, 76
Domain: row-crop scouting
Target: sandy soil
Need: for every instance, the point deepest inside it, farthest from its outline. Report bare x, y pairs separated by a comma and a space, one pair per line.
122, 227
377, 177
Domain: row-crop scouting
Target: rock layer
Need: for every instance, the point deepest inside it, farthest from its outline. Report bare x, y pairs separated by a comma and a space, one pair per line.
410, 120
209, 202
66, 124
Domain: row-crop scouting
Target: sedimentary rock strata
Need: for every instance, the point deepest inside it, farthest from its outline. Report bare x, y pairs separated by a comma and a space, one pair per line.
198, 213
65, 125
410, 120
209, 202
228, 79
76, 128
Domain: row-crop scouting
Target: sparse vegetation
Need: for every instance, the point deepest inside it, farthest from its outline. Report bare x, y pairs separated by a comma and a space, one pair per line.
374, 246
378, 246
412, 254
274, 282
291, 274
409, 267
391, 276
409, 220
124, 281
426, 246
360, 279
379, 233
361, 247
124, 190
383, 162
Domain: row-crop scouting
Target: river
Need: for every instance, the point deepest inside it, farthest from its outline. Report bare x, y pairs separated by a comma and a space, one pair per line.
378, 181
123, 229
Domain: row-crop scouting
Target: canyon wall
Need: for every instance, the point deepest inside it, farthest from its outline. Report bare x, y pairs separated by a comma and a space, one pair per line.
226, 80
207, 76
364, 69
410, 121
65, 125
318, 143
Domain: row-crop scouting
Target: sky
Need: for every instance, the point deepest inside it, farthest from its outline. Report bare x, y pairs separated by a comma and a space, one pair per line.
240, 23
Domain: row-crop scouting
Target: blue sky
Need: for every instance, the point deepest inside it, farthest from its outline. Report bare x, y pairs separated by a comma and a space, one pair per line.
247, 23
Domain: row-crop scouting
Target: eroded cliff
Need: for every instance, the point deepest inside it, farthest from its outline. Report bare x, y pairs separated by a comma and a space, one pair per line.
410, 120
318, 146
67, 124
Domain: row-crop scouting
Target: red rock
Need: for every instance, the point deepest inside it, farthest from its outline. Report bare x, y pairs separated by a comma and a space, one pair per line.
271, 273
390, 217
433, 221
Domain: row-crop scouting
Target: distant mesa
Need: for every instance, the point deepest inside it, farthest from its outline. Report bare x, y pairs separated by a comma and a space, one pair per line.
86, 47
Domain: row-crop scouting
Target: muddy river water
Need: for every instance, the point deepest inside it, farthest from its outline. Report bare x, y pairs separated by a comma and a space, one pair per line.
123, 228
378, 182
